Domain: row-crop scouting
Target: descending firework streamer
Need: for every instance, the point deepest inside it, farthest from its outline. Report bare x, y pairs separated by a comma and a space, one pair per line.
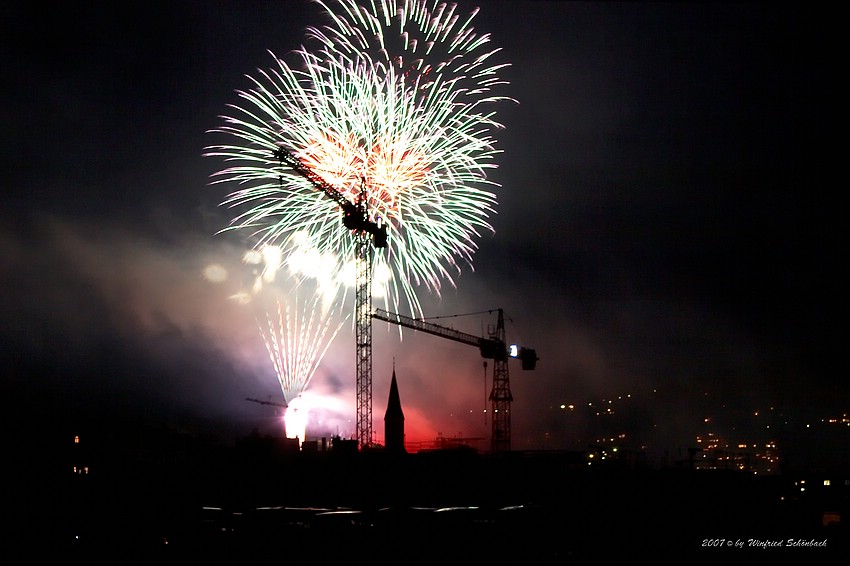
394, 98
296, 337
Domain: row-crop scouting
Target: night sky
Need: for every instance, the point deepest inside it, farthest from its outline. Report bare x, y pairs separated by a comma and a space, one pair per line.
669, 234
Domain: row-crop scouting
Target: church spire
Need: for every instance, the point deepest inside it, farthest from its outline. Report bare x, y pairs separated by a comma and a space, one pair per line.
394, 419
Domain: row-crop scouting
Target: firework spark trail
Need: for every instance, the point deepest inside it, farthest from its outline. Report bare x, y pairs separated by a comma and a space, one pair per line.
395, 97
302, 331
296, 338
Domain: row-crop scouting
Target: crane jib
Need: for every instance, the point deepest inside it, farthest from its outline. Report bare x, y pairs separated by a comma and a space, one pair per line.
354, 217
491, 348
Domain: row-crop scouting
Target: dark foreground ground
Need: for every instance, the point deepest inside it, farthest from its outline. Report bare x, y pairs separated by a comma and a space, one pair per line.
375, 508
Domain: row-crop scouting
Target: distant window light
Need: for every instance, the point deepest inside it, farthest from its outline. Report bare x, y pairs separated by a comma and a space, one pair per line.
77, 439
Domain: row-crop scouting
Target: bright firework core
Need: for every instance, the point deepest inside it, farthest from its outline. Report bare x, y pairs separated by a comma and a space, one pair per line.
326, 414
295, 419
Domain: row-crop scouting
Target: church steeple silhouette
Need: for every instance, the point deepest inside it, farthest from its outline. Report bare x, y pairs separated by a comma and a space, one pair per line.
394, 420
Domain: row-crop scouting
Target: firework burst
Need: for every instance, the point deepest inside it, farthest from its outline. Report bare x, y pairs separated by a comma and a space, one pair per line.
393, 99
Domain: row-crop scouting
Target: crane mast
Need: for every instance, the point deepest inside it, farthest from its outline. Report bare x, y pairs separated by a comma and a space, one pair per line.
354, 217
363, 341
500, 396
493, 347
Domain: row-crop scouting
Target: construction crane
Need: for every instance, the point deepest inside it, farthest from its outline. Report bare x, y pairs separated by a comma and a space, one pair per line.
493, 347
261, 402
355, 217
